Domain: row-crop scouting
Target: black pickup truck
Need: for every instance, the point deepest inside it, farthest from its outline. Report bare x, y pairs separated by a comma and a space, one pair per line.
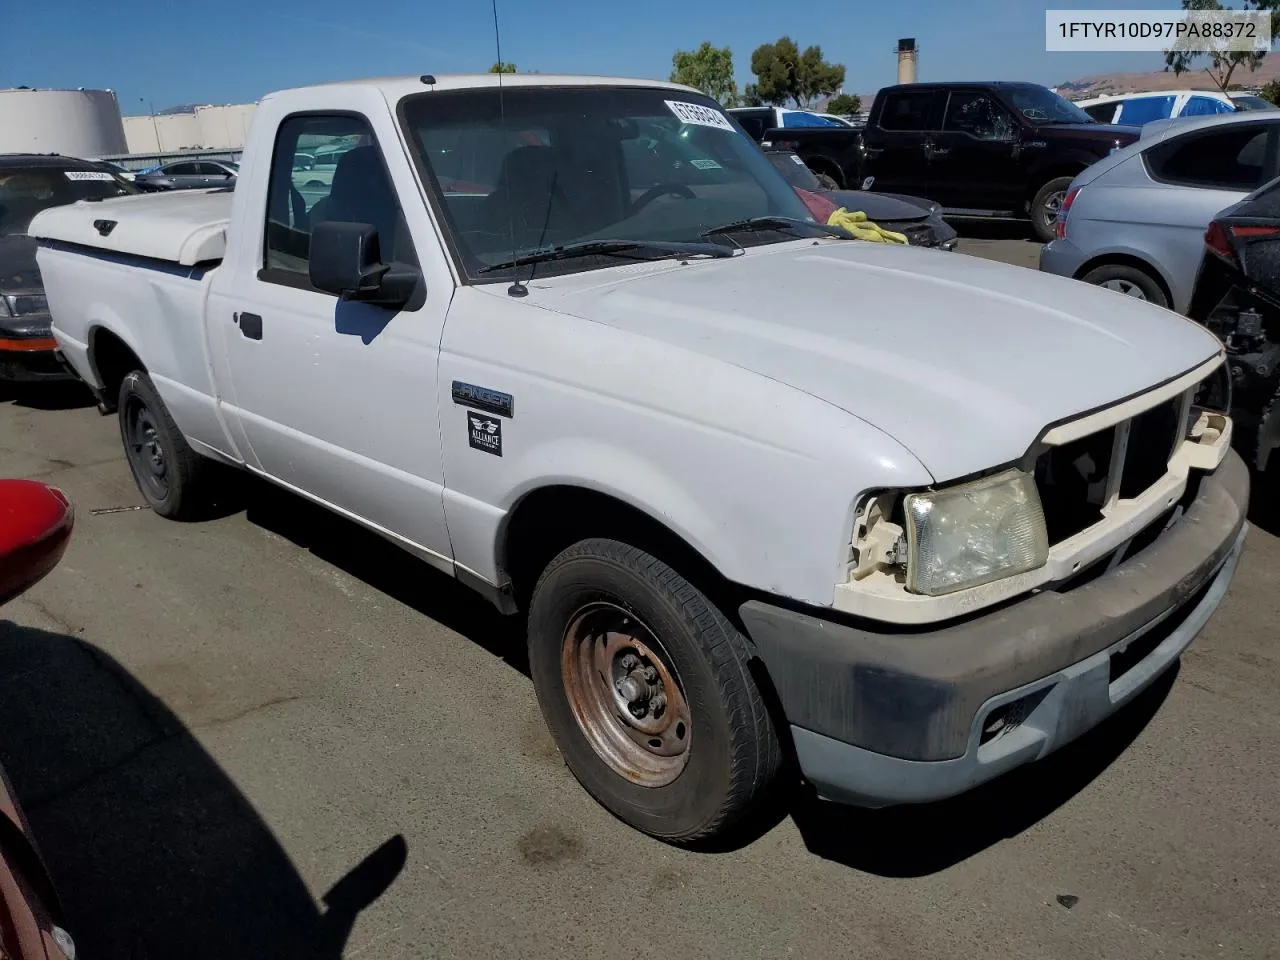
980, 149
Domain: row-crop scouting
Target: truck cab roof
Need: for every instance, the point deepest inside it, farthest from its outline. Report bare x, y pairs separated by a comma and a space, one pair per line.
394, 88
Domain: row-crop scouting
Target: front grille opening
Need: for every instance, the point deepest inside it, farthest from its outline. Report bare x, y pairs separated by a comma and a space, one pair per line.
1152, 437
1145, 645
1072, 482
1007, 718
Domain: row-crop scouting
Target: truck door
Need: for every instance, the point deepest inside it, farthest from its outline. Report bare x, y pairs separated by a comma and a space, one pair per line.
336, 399
896, 157
973, 162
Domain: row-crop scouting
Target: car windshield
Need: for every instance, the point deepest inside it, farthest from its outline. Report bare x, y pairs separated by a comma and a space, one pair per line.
25, 192
549, 166
1249, 102
1042, 105
793, 169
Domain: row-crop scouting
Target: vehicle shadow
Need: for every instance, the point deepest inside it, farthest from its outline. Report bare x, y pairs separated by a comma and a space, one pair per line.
987, 228
55, 395
386, 567
914, 841
152, 848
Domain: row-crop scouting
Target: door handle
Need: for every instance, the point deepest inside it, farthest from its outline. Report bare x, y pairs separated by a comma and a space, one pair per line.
250, 325
939, 151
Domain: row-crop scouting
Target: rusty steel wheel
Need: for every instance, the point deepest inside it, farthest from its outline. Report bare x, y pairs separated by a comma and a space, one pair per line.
627, 657
625, 695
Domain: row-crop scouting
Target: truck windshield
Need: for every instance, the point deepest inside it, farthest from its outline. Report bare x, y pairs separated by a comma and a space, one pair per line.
1042, 105
553, 166
25, 191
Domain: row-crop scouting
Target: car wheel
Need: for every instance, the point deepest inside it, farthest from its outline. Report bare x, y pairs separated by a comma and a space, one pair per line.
170, 475
1131, 281
827, 182
645, 686
1045, 206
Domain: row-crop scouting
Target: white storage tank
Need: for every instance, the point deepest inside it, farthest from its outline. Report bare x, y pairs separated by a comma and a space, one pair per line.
75, 123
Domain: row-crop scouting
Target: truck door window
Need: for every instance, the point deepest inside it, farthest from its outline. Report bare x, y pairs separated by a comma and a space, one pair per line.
346, 181
1102, 112
978, 115
906, 110
1140, 110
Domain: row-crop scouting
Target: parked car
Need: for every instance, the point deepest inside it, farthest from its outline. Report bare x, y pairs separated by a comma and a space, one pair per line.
35, 526
1237, 296
1137, 109
30, 183
756, 120
709, 448
1135, 222
919, 219
984, 149
112, 167
190, 175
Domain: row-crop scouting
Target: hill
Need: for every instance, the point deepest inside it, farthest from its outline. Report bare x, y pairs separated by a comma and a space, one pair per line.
1164, 80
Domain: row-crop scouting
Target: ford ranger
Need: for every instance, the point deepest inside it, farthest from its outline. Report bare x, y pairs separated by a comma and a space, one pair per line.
774, 502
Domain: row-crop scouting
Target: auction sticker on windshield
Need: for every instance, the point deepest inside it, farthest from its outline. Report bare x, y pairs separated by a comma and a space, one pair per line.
696, 113
87, 175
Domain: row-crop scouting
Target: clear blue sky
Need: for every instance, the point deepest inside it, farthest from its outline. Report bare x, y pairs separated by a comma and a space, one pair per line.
236, 50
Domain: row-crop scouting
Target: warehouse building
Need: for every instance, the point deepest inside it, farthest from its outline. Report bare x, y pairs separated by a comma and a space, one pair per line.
209, 127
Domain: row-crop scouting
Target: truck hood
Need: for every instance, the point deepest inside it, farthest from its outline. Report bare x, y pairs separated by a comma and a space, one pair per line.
1111, 132
961, 360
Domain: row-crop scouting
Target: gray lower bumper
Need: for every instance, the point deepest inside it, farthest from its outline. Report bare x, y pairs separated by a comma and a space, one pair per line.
1061, 257
882, 717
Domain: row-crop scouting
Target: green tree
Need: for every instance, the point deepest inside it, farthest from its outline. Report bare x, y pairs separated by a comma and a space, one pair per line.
1225, 62
784, 74
503, 68
1271, 92
709, 69
845, 104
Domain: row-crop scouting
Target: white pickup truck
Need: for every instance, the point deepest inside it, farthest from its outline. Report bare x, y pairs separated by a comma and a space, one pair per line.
774, 502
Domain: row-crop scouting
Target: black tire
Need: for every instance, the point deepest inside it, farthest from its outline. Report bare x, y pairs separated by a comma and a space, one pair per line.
171, 477
729, 779
1125, 279
1045, 205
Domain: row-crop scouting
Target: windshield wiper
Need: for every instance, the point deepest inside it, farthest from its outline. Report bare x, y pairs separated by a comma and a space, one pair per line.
792, 224
591, 248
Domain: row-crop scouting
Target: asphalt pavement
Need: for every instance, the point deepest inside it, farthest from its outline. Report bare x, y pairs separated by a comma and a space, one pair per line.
273, 735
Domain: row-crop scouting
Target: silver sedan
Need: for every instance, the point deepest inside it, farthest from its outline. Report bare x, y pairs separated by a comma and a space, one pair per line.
1135, 221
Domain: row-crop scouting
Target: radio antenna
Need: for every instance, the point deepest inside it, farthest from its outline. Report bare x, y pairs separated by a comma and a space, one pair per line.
517, 288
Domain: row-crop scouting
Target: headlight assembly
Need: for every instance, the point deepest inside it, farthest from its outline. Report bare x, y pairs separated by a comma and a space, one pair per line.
974, 533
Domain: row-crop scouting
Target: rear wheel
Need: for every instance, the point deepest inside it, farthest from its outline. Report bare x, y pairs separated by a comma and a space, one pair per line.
645, 686
1131, 281
170, 475
1045, 206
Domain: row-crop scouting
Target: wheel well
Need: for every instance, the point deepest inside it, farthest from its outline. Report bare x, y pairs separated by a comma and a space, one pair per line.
1126, 260
1053, 173
111, 359
827, 166
550, 519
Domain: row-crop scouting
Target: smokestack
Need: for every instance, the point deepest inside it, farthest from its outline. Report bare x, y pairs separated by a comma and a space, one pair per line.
907, 60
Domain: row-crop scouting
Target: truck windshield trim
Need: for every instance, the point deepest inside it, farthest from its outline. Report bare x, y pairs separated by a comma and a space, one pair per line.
556, 167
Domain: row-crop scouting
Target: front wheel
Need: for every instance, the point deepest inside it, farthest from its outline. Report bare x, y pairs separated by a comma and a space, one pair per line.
1045, 206
170, 475
645, 686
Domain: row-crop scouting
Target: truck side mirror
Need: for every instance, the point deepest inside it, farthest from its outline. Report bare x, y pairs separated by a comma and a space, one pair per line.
346, 260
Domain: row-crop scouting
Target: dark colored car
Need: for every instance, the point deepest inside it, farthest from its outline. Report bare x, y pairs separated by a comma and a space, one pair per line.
1237, 296
189, 175
919, 219
30, 183
984, 149
35, 526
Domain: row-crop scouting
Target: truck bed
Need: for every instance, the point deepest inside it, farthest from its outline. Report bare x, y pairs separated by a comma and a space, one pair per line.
187, 227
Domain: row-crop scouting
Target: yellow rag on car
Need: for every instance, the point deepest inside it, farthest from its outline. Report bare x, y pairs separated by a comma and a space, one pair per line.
861, 228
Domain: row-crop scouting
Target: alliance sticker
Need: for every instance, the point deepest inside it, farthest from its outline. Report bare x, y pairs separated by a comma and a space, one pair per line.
484, 433
702, 163
88, 175
795, 158
696, 113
